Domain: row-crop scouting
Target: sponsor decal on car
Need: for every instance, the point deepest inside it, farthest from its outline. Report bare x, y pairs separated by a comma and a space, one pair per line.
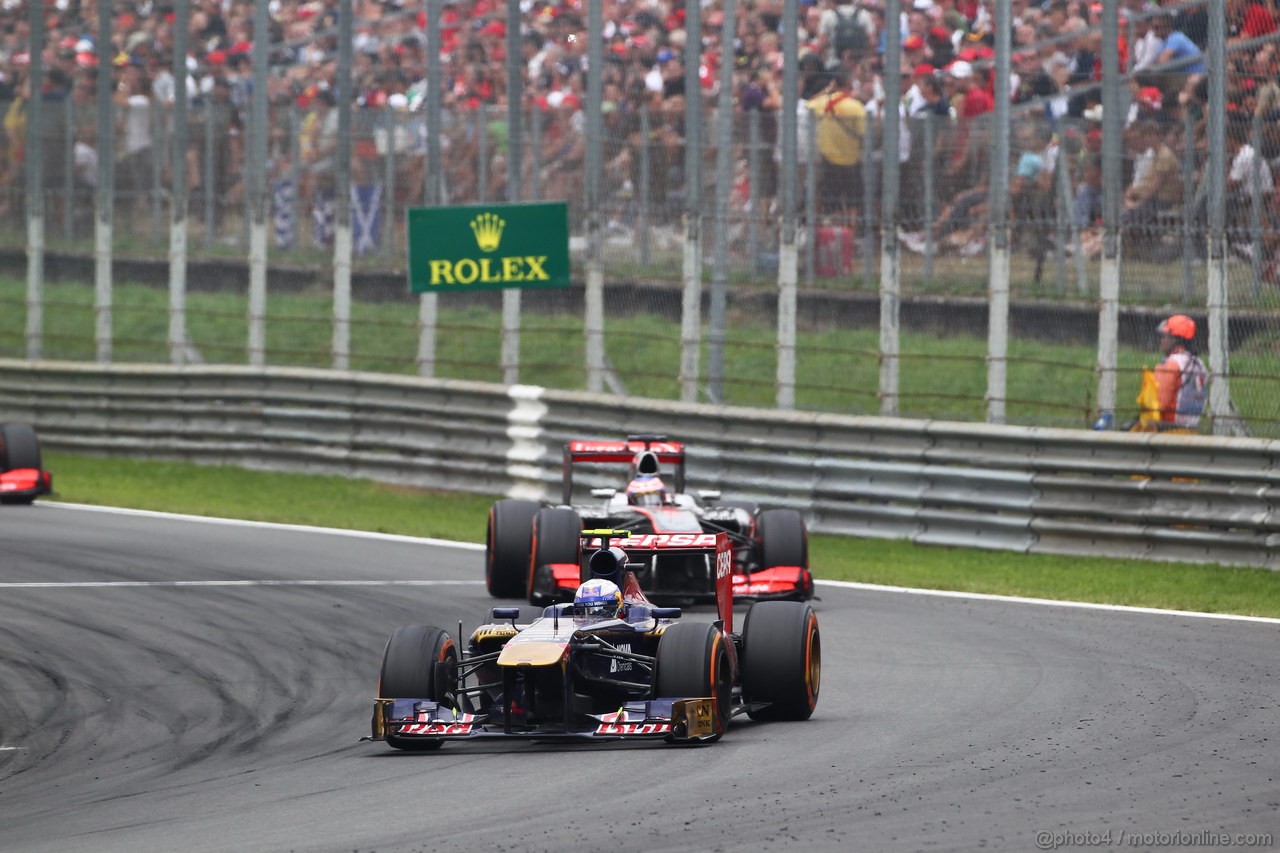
659, 540
436, 729
619, 723
633, 729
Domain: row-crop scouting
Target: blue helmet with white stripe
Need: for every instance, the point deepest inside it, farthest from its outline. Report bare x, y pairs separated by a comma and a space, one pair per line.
598, 599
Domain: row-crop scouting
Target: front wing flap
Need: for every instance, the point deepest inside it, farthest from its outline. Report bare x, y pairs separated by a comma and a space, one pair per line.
673, 719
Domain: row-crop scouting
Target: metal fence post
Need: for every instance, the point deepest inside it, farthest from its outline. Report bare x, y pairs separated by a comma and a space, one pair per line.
1112, 190
593, 321
342, 186
35, 189
890, 253
515, 153
788, 266
1220, 406
998, 305
256, 185
691, 279
724, 181
103, 220
428, 303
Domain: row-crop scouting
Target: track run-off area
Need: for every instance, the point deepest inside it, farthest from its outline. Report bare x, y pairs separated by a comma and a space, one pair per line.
170, 682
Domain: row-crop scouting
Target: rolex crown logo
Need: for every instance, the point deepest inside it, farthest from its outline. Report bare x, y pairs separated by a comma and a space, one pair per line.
488, 230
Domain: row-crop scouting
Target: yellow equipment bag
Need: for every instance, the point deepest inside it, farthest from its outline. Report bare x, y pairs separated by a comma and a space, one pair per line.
1148, 403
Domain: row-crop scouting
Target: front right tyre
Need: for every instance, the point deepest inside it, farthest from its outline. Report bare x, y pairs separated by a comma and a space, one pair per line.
418, 663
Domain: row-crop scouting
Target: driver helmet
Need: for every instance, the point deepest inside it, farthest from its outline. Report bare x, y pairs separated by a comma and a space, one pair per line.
1178, 326
647, 491
598, 599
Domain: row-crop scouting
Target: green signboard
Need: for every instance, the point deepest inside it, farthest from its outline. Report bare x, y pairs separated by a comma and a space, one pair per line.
488, 246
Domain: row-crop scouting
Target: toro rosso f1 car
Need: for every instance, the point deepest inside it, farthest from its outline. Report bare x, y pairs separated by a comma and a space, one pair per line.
532, 551
22, 477
635, 671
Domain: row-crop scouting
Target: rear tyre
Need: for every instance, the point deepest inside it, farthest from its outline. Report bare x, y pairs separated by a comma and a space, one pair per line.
507, 547
784, 541
417, 664
781, 660
556, 539
21, 448
693, 662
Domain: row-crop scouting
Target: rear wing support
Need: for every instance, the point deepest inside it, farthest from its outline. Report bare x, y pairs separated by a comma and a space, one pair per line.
667, 453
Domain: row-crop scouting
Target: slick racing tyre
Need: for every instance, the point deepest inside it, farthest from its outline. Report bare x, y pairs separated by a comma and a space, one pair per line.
783, 539
507, 547
19, 448
781, 660
556, 534
693, 662
417, 664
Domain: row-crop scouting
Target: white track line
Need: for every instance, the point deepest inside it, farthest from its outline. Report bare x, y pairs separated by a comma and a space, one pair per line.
96, 584
1044, 602
472, 546
269, 525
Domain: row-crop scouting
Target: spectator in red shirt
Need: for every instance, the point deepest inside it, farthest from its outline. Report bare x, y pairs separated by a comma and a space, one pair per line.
1251, 19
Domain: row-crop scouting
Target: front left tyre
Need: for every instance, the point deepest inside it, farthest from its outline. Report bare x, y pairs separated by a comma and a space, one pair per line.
557, 535
508, 543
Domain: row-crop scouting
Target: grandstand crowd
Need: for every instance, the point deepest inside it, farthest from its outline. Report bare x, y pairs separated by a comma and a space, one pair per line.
947, 59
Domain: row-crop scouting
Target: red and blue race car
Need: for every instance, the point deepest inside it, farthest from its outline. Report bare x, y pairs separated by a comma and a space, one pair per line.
637, 671
22, 476
532, 550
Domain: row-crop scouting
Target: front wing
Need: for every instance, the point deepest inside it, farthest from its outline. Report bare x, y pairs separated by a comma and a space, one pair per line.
779, 583
671, 719
25, 483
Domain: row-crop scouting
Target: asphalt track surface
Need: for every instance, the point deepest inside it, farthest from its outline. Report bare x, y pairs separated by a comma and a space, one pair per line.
211, 700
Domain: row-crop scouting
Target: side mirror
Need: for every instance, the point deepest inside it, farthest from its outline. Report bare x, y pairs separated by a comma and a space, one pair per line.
512, 613
666, 612
603, 493
709, 494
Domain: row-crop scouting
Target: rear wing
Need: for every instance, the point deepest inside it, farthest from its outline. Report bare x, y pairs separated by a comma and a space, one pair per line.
676, 543
667, 453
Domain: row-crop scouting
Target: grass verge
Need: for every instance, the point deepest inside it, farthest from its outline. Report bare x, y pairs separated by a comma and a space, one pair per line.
365, 505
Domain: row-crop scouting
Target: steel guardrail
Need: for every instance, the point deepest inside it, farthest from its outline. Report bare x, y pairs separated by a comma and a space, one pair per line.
1194, 498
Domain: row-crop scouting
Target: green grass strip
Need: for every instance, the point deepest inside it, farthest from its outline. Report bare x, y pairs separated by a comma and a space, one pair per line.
943, 376
328, 501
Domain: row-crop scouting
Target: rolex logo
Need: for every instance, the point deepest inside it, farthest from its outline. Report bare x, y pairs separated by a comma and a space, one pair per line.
488, 230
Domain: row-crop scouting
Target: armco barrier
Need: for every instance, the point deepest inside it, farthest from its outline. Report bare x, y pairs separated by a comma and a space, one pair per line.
1195, 498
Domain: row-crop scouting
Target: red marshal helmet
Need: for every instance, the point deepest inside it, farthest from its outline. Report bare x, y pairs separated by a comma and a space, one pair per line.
1178, 326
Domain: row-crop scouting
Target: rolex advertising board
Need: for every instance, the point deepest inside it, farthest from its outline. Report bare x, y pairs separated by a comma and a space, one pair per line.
488, 246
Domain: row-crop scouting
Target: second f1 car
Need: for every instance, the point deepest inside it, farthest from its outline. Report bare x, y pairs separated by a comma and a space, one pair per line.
532, 551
